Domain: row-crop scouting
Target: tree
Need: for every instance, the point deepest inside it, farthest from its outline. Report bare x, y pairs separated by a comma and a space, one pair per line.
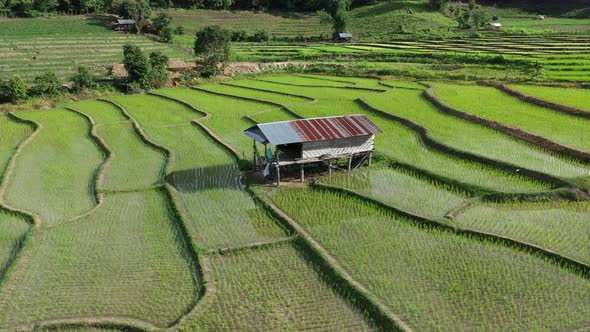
139, 10
437, 4
162, 21
13, 90
214, 44
472, 4
480, 18
137, 65
93, 6
45, 85
44, 5
464, 20
340, 15
162, 25
219, 4
167, 34
83, 79
159, 71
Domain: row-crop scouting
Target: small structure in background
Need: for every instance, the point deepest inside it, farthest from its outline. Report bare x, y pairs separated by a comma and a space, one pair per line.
345, 37
125, 25
496, 25
320, 140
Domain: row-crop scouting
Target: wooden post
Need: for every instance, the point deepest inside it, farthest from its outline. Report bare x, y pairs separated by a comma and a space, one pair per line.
302, 173
254, 164
330, 167
370, 158
349, 163
278, 170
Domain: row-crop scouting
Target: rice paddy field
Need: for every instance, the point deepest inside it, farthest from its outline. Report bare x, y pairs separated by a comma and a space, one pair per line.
32, 46
138, 213
550, 57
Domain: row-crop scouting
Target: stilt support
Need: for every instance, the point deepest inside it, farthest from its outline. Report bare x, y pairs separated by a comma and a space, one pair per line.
302, 173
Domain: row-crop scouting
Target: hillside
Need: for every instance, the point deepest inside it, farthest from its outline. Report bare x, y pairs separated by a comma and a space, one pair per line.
31, 46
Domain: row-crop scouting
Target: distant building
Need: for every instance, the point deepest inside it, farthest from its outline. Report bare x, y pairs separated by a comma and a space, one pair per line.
126, 25
345, 37
496, 25
319, 140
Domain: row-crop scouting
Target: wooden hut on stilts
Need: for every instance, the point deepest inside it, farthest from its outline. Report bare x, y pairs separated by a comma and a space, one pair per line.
320, 140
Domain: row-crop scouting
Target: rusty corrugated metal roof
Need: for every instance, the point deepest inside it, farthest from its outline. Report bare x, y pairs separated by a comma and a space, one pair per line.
312, 130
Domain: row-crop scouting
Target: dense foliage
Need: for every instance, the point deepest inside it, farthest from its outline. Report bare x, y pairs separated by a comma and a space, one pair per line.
144, 72
213, 43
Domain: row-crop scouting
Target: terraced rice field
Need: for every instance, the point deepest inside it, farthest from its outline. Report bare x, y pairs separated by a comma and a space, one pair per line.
578, 98
277, 24
30, 47
512, 111
436, 280
135, 213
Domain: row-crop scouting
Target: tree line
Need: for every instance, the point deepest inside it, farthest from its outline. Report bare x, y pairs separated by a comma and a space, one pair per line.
29, 8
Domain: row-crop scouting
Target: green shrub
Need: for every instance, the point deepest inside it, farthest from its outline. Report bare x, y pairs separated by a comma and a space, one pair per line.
179, 30
163, 20
259, 36
239, 36
159, 72
45, 85
166, 34
13, 90
137, 65
83, 80
214, 44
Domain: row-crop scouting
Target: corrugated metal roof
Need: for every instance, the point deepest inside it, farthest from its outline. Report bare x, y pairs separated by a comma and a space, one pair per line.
126, 21
313, 130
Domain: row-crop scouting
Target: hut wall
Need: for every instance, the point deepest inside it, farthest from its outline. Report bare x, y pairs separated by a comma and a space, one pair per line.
338, 147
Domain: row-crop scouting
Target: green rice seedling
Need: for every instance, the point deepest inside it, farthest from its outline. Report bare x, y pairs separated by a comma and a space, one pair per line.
400, 190
156, 111
12, 231
307, 91
278, 24
436, 280
579, 98
401, 144
306, 81
272, 289
404, 84
256, 94
12, 133
100, 111
130, 154
272, 116
473, 138
209, 185
55, 173
205, 176
357, 82
562, 128
227, 114
127, 260
26, 44
563, 227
